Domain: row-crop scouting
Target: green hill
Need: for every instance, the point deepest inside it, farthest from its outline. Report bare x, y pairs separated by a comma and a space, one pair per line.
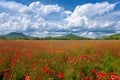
66, 37
21, 36
16, 36
111, 37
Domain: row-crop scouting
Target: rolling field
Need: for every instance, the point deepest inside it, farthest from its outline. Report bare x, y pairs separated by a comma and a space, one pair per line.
60, 60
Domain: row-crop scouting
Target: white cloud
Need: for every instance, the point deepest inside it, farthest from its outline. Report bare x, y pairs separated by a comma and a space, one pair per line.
94, 19
85, 13
45, 9
27, 18
38, 19
12, 5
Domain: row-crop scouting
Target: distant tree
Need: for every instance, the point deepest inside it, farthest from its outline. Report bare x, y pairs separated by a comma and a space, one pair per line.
117, 38
2, 37
36, 38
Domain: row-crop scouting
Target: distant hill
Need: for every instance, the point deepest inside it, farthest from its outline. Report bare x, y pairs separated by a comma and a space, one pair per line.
67, 37
21, 36
16, 36
111, 37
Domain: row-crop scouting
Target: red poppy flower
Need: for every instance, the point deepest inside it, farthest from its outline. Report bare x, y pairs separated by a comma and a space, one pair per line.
40, 78
94, 71
27, 78
46, 70
114, 77
102, 74
60, 75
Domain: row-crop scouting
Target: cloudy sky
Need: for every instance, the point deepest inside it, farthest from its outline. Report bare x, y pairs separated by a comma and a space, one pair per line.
88, 18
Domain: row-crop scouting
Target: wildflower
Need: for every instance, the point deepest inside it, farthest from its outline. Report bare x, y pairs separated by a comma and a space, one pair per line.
82, 57
0, 70
89, 57
99, 78
114, 77
54, 71
84, 78
91, 78
27, 78
40, 78
94, 71
60, 75
12, 62
102, 74
35, 74
108, 79
0, 62
8, 76
72, 60
7, 70
46, 70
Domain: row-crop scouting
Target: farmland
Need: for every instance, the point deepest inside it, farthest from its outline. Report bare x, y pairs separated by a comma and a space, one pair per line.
60, 60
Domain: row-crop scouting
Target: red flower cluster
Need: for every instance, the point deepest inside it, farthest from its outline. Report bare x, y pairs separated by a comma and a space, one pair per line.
94, 71
27, 78
46, 70
40, 78
60, 75
102, 75
114, 77
8, 76
7, 69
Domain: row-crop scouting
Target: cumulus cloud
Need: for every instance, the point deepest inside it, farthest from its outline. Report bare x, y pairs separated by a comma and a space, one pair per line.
30, 19
94, 20
82, 14
38, 19
44, 9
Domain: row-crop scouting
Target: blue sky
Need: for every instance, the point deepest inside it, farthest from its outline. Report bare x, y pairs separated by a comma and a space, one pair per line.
88, 18
69, 5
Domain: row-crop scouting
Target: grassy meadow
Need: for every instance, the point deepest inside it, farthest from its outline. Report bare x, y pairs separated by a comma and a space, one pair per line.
60, 60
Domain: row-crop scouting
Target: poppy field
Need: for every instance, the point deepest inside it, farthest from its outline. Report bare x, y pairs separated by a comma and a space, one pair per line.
60, 60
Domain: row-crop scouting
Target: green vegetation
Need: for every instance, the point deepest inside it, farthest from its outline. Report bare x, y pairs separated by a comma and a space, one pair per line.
66, 37
21, 36
60, 67
60, 60
17, 36
112, 37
